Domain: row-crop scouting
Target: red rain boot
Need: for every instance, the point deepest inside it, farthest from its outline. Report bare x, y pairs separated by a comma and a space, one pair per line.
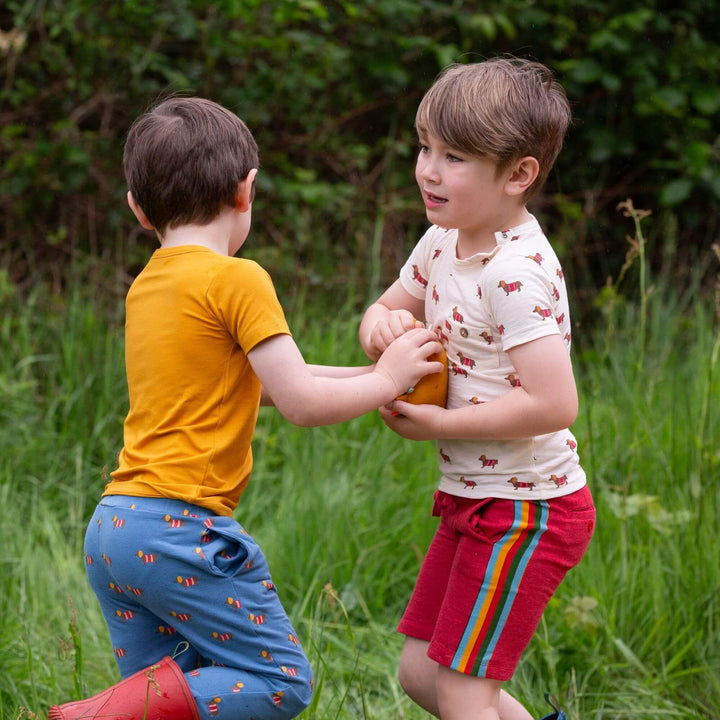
159, 692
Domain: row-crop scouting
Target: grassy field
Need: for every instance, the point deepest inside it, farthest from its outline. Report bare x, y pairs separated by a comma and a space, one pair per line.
343, 515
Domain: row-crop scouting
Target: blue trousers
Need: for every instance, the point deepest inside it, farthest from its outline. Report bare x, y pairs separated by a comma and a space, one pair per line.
171, 576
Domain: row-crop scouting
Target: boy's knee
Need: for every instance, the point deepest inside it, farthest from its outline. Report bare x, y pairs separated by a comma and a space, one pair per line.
298, 692
413, 682
415, 670
405, 676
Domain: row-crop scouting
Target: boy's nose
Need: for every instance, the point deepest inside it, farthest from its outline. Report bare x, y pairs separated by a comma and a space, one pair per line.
428, 171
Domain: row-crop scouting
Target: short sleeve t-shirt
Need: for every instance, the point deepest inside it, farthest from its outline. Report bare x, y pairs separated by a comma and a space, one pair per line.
481, 307
192, 315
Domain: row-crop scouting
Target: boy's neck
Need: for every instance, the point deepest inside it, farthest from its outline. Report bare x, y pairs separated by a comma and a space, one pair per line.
483, 240
214, 236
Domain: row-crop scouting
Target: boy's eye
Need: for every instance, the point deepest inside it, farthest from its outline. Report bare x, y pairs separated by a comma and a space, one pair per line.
453, 158
423, 148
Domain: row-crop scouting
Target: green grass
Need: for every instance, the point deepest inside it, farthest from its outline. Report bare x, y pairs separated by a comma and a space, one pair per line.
343, 516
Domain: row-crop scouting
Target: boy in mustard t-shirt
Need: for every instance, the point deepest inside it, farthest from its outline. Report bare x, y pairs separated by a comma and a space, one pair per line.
194, 617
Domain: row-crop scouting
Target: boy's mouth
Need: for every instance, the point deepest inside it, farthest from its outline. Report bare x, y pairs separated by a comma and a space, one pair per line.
433, 201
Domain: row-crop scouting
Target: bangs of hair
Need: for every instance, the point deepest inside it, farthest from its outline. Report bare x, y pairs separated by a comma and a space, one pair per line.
459, 110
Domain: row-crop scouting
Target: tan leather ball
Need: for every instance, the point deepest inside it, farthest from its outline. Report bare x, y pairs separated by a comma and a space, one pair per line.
430, 389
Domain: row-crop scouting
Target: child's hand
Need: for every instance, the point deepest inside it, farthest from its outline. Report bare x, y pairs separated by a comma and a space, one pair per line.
414, 422
406, 359
397, 323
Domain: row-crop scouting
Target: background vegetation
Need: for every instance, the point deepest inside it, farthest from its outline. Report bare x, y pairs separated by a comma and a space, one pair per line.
343, 515
329, 89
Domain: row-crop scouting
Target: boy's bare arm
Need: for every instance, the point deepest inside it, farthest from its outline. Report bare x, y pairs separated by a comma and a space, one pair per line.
308, 398
394, 313
336, 371
545, 402
330, 371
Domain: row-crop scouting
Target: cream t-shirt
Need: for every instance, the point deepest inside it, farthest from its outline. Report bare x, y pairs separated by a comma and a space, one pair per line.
481, 307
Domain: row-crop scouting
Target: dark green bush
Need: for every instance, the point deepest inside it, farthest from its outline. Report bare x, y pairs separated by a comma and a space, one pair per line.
330, 89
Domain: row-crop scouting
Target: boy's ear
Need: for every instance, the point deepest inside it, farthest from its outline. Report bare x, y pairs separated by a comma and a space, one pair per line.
246, 191
522, 175
138, 212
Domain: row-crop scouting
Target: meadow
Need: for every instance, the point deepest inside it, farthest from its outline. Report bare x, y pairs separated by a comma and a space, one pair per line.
343, 512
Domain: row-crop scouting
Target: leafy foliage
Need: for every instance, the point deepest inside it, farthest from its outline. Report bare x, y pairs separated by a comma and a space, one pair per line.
330, 89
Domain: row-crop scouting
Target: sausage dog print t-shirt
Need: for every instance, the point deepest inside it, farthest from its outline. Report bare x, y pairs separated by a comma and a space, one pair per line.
481, 307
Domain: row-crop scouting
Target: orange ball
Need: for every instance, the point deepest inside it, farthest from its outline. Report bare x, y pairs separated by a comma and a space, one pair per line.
430, 389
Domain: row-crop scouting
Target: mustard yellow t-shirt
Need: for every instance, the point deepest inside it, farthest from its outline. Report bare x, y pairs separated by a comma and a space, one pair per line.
192, 316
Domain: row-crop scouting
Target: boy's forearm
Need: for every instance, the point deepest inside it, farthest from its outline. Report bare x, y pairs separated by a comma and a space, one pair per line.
323, 395
512, 416
546, 401
333, 371
345, 398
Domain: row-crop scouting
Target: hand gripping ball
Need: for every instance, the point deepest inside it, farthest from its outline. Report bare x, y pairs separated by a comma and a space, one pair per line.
430, 389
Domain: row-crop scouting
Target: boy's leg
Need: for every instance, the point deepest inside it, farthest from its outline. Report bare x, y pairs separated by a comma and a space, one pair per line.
207, 581
254, 665
418, 676
503, 560
417, 672
509, 562
461, 697
138, 636
511, 709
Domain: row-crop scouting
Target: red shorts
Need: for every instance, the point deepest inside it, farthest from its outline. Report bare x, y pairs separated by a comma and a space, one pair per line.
491, 569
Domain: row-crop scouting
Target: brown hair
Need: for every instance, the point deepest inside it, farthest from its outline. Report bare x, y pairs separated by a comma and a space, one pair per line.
504, 109
183, 161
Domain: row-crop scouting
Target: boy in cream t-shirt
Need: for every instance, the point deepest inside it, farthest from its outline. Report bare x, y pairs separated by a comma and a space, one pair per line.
515, 511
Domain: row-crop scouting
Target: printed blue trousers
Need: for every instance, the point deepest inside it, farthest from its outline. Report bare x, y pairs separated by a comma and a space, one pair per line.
171, 576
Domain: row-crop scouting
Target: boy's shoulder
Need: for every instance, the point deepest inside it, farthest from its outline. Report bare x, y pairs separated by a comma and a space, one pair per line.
528, 252
528, 240
199, 269
200, 256
239, 274
436, 235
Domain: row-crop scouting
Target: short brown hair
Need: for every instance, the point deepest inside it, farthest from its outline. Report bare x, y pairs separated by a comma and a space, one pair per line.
183, 161
504, 108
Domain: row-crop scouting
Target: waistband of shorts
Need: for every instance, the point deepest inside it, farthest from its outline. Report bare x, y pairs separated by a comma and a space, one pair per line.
580, 496
160, 505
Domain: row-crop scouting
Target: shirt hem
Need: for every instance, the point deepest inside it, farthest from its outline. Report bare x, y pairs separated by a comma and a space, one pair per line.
133, 489
454, 487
